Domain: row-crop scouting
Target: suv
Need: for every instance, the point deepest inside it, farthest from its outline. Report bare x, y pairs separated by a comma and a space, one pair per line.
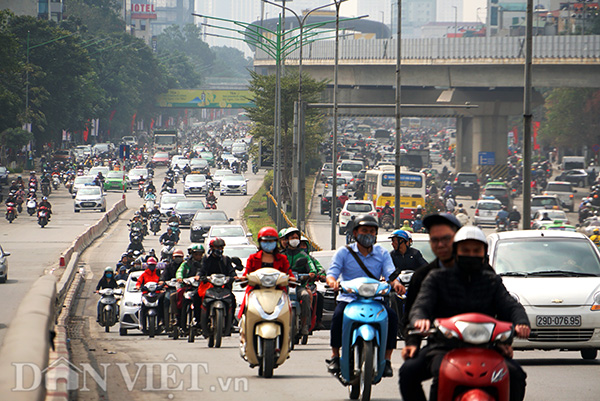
466, 184
564, 192
499, 191
541, 202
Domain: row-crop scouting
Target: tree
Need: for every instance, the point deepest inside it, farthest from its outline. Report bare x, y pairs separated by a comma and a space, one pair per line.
230, 62
11, 88
263, 88
12, 140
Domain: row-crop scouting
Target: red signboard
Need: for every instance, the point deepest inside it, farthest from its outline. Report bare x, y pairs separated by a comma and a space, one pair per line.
143, 11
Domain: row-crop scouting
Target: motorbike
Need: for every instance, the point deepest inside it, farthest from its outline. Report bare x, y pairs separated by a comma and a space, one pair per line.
110, 309
387, 222
20, 204
155, 224
42, 216
31, 206
303, 338
136, 234
364, 335
187, 323
211, 204
45, 189
11, 211
141, 188
55, 181
513, 226
396, 301
265, 337
218, 307
166, 254
473, 369
501, 225
150, 308
254, 168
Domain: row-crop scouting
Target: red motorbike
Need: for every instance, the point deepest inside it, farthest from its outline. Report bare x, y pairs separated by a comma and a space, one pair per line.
43, 216
474, 370
11, 211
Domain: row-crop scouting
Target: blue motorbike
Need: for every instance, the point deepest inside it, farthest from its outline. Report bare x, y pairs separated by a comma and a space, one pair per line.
364, 337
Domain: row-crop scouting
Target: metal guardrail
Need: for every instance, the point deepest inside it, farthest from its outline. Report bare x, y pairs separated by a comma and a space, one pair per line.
510, 47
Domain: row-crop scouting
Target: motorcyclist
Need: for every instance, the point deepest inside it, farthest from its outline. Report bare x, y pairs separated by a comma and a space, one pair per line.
150, 195
514, 215
349, 228
596, 237
387, 209
167, 185
155, 212
46, 204
403, 255
170, 235
168, 273
460, 210
294, 254
143, 212
418, 223
106, 281
33, 179
379, 263
502, 216
210, 197
149, 276
122, 275
450, 204
150, 187
443, 295
343, 197
13, 186
406, 226
99, 180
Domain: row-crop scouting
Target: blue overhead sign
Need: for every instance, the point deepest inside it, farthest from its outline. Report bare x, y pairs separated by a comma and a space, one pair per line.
487, 158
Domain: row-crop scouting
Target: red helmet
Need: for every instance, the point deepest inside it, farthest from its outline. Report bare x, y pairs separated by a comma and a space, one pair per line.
151, 261
216, 242
268, 233
178, 252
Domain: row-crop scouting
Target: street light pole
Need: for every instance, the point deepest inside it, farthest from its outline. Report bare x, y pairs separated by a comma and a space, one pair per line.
455, 21
527, 118
334, 197
398, 144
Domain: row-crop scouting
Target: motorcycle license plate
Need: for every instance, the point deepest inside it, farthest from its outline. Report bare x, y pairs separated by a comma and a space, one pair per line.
558, 320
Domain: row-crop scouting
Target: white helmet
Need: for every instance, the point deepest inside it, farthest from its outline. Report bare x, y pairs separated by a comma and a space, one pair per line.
109, 269
470, 233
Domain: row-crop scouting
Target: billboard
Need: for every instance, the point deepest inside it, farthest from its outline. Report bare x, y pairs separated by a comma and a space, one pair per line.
206, 99
143, 9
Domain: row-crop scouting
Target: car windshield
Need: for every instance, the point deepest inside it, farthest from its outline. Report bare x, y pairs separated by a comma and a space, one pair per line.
495, 191
138, 171
196, 204
542, 256
227, 232
465, 178
89, 191
544, 202
351, 166
210, 216
359, 207
233, 177
131, 283
2, 170
84, 179
559, 188
240, 252
489, 206
198, 162
195, 178
170, 199
115, 174
161, 156
554, 214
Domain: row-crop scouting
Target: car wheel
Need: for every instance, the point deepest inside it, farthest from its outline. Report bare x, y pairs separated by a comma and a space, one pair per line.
3, 279
589, 354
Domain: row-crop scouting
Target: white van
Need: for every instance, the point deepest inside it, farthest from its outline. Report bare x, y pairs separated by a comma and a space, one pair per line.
353, 166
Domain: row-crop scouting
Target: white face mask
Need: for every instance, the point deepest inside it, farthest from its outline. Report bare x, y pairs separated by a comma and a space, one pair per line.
294, 243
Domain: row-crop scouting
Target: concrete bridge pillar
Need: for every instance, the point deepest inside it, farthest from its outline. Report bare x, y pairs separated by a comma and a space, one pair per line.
480, 134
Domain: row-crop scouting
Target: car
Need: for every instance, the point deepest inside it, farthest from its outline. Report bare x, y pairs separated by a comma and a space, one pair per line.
435, 156
199, 166
239, 150
203, 220
326, 171
81, 182
564, 192
555, 275
179, 161
136, 173
115, 180
186, 210
231, 234
577, 177
227, 144
3, 175
218, 176
81, 152
161, 159
98, 169
3, 265
499, 191
542, 202
351, 166
326, 200
589, 225
195, 184
61, 156
466, 184
208, 156
486, 211
168, 202
420, 242
553, 215
129, 140
234, 184
131, 302
354, 208
102, 149
90, 198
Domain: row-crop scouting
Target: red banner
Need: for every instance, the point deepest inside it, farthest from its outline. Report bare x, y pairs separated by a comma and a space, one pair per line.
515, 132
133, 121
536, 127
112, 115
86, 132
151, 124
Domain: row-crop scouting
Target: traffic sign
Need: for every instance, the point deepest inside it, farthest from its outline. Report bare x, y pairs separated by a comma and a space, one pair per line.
487, 158
596, 148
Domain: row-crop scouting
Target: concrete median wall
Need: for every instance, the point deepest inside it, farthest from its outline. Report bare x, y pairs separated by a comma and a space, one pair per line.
24, 356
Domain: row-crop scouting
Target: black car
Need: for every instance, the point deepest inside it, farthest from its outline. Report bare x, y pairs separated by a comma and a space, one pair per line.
466, 184
326, 200
203, 220
186, 210
576, 177
3, 175
501, 193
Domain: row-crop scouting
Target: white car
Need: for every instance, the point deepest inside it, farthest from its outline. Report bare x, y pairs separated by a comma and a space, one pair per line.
554, 215
234, 184
98, 169
134, 175
179, 160
486, 211
80, 182
231, 234
90, 198
354, 208
129, 311
555, 275
564, 192
168, 202
218, 176
435, 156
195, 184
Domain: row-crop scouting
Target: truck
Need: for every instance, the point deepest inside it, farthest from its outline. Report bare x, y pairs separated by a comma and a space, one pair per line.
415, 159
573, 163
166, 140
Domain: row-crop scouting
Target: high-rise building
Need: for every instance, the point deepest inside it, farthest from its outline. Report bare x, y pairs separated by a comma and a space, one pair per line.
415, 14
45, 9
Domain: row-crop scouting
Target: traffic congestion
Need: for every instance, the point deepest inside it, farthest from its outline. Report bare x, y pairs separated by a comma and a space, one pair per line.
181, 267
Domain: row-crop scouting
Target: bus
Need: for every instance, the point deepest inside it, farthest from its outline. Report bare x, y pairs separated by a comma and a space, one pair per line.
165, 140
380, 188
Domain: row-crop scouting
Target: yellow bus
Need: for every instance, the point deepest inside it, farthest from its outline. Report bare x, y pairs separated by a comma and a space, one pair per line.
380, 188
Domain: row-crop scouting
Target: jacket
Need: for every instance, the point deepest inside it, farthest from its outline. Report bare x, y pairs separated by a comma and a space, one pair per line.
411, 260
293, 256
449, 292
106, 283
148, 276
187, 268
170, 271
254, 263
216, 265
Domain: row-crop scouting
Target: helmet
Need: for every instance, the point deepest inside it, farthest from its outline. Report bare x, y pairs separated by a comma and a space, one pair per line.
344, 192
366, 220
406, 223
269, 233
303, 239
387, 203
400, 234
195, 248
178, 252
292, 230
45, 198
514, 208
151, 261
441, 218
216, 242
281, 233
109, 269
596, 230
470, 233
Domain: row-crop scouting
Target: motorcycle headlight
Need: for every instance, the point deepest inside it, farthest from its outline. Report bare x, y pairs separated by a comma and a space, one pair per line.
475, 333
151, 286
368, 290
268, 280
108, 292
217, 280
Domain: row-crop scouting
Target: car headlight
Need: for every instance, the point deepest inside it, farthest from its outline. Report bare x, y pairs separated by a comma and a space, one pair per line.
475, 333
368, 290
596, 305
197, 228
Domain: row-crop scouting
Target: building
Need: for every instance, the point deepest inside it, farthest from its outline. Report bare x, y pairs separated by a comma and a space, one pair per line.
415, 14
45, 9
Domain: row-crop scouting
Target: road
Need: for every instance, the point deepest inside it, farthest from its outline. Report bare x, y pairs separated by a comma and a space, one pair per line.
34, 250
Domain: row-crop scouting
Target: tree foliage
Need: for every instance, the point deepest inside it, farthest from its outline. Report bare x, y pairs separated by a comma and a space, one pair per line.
263, 116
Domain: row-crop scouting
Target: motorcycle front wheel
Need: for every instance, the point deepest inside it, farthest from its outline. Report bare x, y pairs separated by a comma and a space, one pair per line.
218, 322
151, 326
268, 360
190, 323
106, 321
362, 389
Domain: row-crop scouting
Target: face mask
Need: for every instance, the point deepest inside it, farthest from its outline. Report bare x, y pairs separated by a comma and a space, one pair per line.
108, 275
268, 247
366, 240
294, 243
151, 267
217, 253
470, 264
178, 259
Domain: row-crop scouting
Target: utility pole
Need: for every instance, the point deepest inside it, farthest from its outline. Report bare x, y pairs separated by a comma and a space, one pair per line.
334, 195
398, 195
527, 118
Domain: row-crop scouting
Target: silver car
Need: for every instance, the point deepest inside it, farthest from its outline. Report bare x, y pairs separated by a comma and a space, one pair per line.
564, 192
234, 184
195, 184
555, 275
129, 311
3, 265
90, 198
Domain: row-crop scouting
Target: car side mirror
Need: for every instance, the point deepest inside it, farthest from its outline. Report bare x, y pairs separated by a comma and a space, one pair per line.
472, 207
6, 254
249, 235
231, 219
320, 195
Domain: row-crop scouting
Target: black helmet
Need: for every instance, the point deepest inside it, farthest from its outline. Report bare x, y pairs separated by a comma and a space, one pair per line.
366, 220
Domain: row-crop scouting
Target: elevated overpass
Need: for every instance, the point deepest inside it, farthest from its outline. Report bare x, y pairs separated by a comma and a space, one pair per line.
487, 72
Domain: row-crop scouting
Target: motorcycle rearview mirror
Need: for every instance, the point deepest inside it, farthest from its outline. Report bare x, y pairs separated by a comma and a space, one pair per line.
238, 263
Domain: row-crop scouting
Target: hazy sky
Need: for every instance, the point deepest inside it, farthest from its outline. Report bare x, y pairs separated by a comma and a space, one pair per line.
470, 10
